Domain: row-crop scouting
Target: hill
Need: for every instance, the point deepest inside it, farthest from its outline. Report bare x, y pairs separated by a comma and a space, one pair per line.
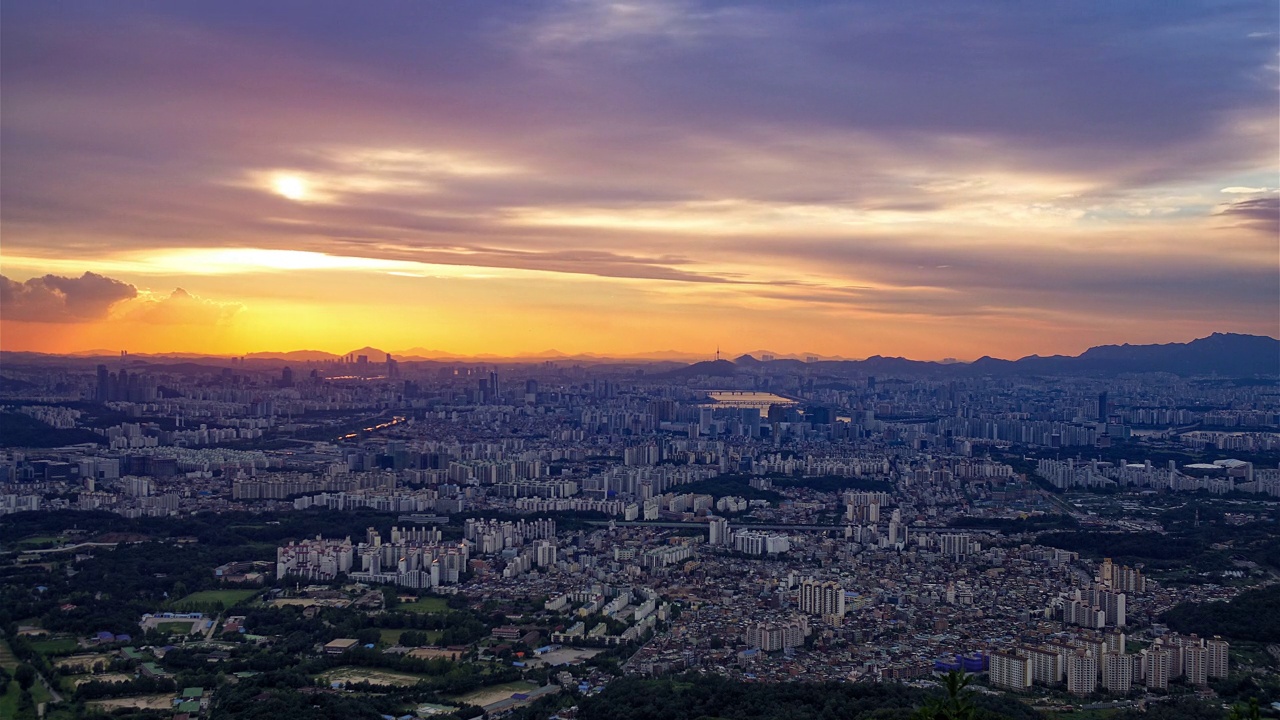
708, 368
1223, 354
1252, 615
17, 430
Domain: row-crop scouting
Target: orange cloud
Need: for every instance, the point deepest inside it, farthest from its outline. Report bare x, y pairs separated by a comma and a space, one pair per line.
181, 308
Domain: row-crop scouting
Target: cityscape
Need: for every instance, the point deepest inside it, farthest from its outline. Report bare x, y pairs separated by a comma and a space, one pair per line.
765, 521
639, 360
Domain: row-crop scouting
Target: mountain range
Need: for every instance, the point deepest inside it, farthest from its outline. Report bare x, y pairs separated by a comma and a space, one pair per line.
1223, 354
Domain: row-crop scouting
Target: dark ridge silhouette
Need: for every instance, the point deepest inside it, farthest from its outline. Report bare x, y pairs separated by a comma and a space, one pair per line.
710, 368
1222, 354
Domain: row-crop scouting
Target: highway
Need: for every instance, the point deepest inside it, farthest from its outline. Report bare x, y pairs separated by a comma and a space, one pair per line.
794, 528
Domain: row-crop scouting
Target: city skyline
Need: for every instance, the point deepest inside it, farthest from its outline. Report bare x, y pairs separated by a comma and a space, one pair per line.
620, 179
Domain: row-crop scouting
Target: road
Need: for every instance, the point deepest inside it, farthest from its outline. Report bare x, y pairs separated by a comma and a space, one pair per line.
208, 635
796, 528
68, 548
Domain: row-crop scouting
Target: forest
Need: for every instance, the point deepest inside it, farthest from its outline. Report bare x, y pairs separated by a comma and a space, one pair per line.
1252, 615
17, 430
706, 697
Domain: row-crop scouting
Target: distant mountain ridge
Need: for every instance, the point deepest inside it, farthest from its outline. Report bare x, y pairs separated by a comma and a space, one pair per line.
1227, 354
1223, 354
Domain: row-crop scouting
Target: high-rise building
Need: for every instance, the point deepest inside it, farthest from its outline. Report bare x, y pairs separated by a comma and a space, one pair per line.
1010, 671
1106, 572
718, 529
1082, 672
1117, 672
778, 636
1157, 663
1113, 604
1129, 580
1046, 665
1219, 650
706, 423
1121, 578
1114, 641
1195, 664
1102, 406
662, 410
545, 552
104, 381
822, 598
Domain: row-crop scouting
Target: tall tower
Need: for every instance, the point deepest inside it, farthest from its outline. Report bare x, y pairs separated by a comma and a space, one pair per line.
100, 394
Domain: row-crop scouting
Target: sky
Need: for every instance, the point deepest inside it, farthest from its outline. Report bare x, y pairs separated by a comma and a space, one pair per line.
927, 180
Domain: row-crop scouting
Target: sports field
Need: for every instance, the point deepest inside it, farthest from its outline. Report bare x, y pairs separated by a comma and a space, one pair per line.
55, 646
83, 663
370, 675
7, 659
495, 693
425, 605
178, 627
392, 637
140, 702
206, 598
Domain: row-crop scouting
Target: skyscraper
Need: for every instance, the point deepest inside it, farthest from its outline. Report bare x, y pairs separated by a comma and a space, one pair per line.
822, 598
104, 380
1218, 652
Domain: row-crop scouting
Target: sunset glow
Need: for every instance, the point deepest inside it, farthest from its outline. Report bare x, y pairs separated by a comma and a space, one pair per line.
627, 179
290, 186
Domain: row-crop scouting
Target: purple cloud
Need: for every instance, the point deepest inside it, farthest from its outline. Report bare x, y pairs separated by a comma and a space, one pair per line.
53, 298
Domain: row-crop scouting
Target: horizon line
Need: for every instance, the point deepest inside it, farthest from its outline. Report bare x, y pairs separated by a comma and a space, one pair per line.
650, 356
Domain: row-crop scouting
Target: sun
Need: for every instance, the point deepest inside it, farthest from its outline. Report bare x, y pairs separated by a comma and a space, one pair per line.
293, 187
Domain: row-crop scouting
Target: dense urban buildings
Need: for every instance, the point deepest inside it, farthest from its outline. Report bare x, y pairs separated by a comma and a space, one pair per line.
778, 521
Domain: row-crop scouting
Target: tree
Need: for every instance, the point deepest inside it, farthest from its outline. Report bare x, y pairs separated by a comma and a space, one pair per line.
956, 706
25, 675
1246, 712
26, 707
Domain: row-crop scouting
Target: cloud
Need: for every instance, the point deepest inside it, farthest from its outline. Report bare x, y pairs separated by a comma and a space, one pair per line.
54, 298
912, 278
93, 297
181, 308
823, 145
1260, 213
